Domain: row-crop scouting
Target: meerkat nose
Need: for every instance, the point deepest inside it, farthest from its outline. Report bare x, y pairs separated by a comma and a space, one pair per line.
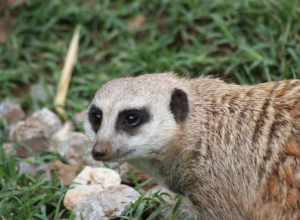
98, 155
102, 150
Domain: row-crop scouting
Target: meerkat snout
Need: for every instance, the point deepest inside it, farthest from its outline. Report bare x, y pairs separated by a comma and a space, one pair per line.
102, 150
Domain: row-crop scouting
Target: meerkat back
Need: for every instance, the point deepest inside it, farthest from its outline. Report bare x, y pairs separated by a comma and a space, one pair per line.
255, 132
280, 194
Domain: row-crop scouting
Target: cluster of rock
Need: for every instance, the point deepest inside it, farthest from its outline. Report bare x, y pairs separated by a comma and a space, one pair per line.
95, 192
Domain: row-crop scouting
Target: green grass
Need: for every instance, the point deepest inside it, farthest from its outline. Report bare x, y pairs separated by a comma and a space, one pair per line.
246, 41
24, 196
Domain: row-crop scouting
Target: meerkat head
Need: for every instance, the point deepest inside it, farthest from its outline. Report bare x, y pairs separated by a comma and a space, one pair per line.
136, 117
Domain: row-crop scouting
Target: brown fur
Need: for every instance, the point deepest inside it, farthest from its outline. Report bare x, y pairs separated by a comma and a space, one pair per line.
238, 154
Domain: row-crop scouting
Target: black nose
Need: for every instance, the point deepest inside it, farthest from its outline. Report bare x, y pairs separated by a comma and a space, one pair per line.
98, 155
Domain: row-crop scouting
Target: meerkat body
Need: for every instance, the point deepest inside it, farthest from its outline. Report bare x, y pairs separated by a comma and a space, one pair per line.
232, 150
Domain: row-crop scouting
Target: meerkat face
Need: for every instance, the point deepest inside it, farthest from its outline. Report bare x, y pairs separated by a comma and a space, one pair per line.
136, 117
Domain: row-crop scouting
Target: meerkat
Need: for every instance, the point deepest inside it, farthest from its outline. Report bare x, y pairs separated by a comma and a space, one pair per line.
233, 150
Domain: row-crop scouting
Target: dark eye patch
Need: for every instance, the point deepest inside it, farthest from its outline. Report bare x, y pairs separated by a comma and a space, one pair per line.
130, 119
95, 117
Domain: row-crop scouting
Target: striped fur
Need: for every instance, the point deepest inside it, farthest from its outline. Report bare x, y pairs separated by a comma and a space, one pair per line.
247, 133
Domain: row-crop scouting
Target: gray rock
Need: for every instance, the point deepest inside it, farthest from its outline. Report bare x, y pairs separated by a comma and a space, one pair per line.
59, 140
108, 204
49, 119
89, 182
34, 133
27, 167
90, 210
11, 112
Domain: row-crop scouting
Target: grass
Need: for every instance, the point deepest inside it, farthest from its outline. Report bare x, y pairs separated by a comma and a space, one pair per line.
24, 196
245, 42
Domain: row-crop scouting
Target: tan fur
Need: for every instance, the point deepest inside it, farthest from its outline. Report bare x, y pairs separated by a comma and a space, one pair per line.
237, 156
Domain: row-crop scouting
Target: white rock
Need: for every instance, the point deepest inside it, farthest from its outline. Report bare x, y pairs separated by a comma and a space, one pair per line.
113, 201
11, 112
103, 176
90, 181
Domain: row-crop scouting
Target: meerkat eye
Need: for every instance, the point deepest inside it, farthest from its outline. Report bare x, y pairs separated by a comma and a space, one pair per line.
95, 117
132, 118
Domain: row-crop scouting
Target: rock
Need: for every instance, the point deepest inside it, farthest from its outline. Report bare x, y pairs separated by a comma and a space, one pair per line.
30, 136
88, 182
76, 147
59, 138
98, 195
11, 112
34, 133
103, 176
49, 119
108, 204
79, 193
90, 210
29, 166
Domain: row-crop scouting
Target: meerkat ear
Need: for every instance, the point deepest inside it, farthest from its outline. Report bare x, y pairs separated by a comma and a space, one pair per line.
179, 105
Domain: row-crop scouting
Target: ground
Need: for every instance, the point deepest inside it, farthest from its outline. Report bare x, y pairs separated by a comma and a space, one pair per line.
244, 42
